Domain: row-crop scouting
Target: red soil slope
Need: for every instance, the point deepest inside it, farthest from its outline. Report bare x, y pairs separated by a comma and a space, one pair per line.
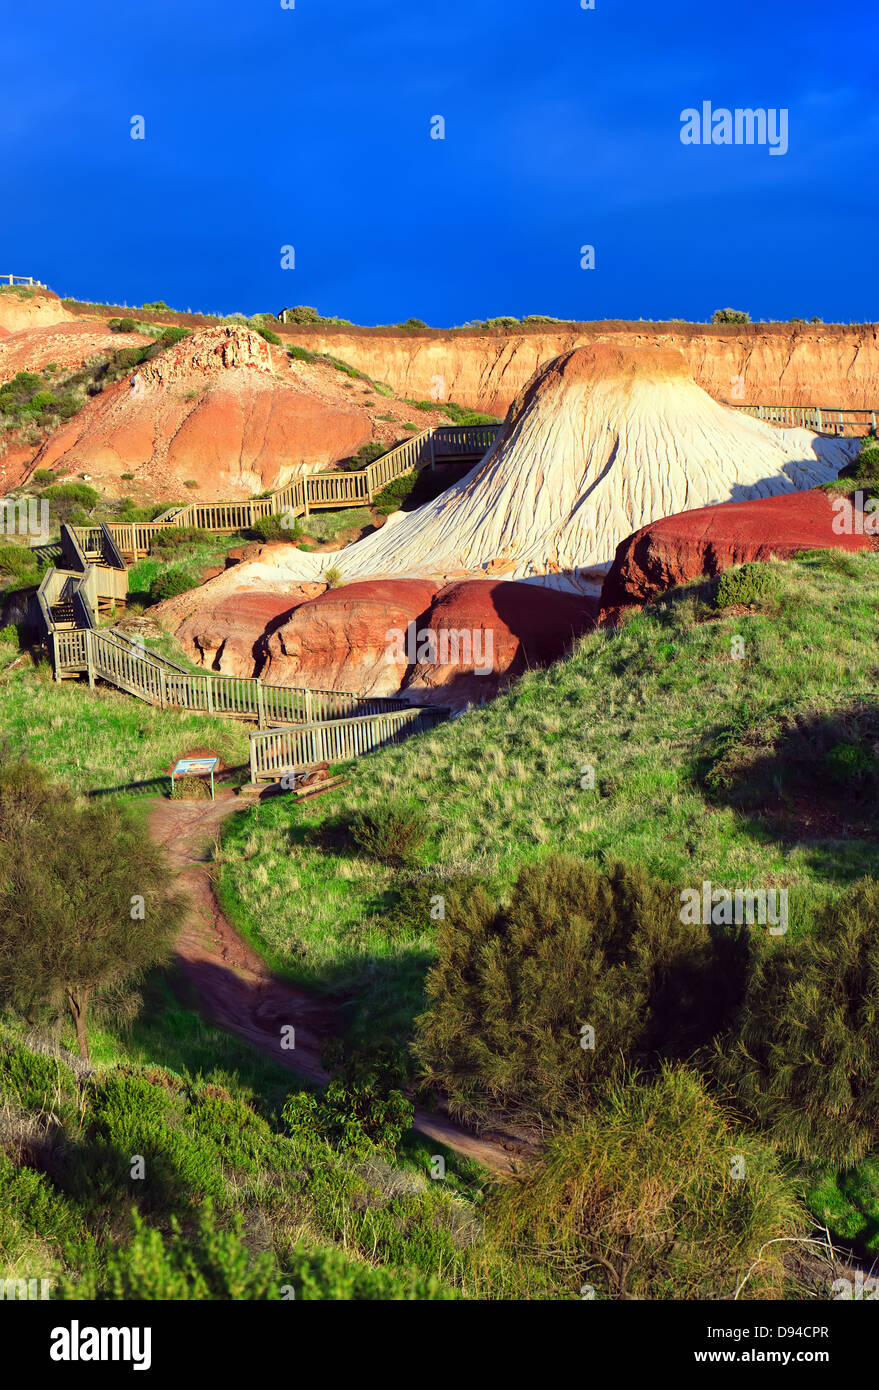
683, 547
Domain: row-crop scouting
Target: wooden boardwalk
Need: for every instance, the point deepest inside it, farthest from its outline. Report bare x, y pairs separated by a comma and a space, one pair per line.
818, 418
307, 493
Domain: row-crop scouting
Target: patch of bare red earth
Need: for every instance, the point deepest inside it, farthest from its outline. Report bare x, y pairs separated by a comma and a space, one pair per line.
690, 545
244, 997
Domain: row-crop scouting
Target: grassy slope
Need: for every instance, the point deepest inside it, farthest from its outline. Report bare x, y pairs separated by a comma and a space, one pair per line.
102, 739
501, 785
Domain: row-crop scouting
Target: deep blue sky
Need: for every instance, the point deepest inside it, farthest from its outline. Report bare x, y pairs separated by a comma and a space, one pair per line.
311, 127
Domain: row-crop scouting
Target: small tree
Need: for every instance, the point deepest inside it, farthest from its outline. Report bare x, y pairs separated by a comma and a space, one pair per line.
804, 1058
730, 316
86, 900
533, 1005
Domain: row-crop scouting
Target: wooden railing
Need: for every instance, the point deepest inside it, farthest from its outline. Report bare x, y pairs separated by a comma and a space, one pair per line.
277, 752
307, 493
152, 678
818, 418
20, 280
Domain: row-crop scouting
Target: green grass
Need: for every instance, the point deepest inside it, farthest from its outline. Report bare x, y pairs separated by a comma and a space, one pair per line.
196, 556
325, 526
103, 739
214, 1134
645, 707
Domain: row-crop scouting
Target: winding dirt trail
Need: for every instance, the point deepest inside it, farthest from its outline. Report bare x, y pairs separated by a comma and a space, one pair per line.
244, 997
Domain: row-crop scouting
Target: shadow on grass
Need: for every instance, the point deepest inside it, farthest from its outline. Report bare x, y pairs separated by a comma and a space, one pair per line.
809, 779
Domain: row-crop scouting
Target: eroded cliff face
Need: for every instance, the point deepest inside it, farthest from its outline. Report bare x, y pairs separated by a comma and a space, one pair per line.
816, 365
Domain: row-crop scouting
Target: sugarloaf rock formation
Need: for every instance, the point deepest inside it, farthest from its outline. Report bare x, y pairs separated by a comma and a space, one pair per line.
602, 441
676, 549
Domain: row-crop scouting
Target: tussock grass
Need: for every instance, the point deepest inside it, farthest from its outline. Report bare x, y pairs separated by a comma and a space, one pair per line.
103, 739
643, 707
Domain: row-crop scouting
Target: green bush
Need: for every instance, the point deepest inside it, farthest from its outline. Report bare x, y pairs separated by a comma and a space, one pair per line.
804, 1057
746, 586
730, 316
18, 561
300, 354
393, 833
272, 528
517, 987
654, 1195
392, 497
269, 336
175, 538
216, 1264
171, 336
356, 1117
172, 582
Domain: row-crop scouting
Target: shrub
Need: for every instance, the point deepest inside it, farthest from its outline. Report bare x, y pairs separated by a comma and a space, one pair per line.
366, 454
269, 336
300, 354
215, 1264
42, 477
302, 314
123, 325
392, 497
804, 1056
171, 336
516, 987
68, 927
332, 577
864, 468
272, 528
392, 833
641, 1199
174, 581
192, 484
66, 498
730, 316
746, 586
175, 538
357, 1117
17, 560
158, 306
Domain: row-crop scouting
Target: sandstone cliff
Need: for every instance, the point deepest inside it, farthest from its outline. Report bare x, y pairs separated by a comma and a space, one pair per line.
776, 364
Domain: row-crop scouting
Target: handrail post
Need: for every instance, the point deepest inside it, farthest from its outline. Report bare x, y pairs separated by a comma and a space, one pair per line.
88, 658
210, 694
432, 455
260, 712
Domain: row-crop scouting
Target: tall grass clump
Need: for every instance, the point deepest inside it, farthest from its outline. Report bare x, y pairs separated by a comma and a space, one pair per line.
655, 1195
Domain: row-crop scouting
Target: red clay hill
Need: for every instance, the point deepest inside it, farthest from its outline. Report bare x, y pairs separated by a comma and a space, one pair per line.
676, 549
222, 411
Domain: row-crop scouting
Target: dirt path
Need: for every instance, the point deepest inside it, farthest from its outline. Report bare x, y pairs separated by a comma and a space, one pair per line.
240, 992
